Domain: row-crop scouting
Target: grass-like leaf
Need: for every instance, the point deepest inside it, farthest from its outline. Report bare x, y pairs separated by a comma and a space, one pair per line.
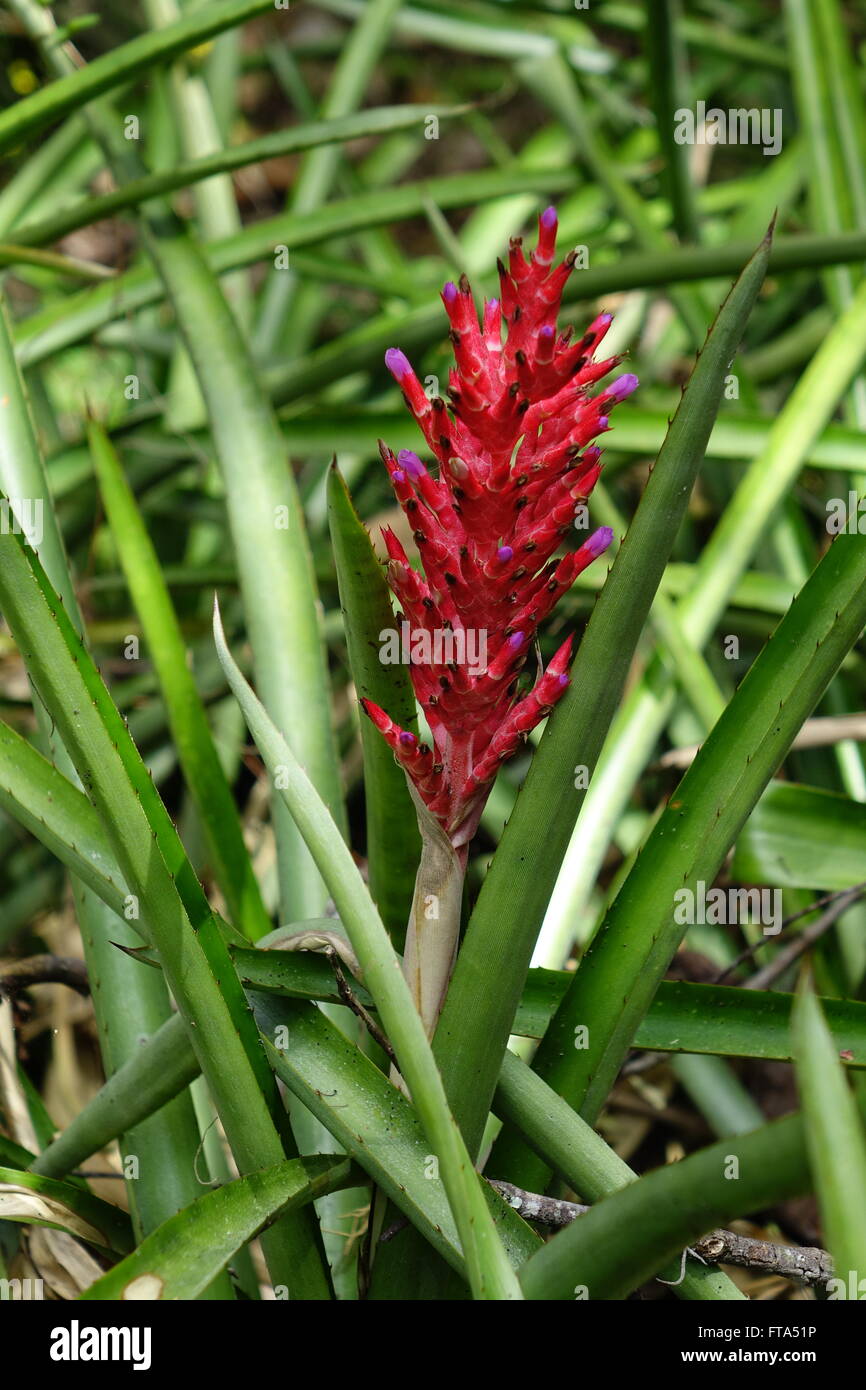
639, 936
489, 1272
835, 1140
187, 720
173, 908
181, 1257
393, 842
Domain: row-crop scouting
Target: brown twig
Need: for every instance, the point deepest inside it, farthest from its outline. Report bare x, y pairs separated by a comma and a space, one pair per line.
821, 732
357, 1007
805, 939
548, 1211
804, 1264
837, 903
43, 970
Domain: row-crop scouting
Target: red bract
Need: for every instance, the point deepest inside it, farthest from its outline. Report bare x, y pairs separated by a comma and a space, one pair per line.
515, 463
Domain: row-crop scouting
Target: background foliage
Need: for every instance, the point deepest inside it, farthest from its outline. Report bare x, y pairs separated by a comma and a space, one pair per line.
214, 219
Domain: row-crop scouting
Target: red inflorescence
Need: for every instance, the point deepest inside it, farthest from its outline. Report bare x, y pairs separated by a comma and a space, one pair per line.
515, 464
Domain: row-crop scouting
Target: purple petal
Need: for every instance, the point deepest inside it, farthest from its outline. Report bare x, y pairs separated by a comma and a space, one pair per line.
397, 363
599, 541
411, 462
622, 387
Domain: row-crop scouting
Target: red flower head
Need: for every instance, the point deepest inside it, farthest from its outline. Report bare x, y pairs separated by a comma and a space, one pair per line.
515, 462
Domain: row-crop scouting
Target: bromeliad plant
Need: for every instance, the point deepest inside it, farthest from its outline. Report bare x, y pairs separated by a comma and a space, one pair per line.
244, 848
517, 464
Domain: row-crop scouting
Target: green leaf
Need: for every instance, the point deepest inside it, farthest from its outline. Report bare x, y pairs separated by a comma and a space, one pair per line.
120, 66
721, 1021
378, 1127
393, 842
172, 904
126, 1006
187, 720
629, 1236
19, 254
667, 74
59, 814
69, 320
161, 1069
639, 936
803, 837
378, 121
332, 1077
269, 535
186, 1252
574, 1151
835, 1140
67, 1206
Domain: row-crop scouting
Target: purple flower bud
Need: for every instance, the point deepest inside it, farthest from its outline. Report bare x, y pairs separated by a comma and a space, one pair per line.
603, 422
604, 320
493, 304
398, 364
622, 387
449, 293
515, 641
563, 680
398, 476
591, 455
411, 462
549, 218
408, 740
546, 332
599, 541
504, 554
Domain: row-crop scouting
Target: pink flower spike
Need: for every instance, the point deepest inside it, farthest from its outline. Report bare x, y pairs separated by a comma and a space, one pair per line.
494, 528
